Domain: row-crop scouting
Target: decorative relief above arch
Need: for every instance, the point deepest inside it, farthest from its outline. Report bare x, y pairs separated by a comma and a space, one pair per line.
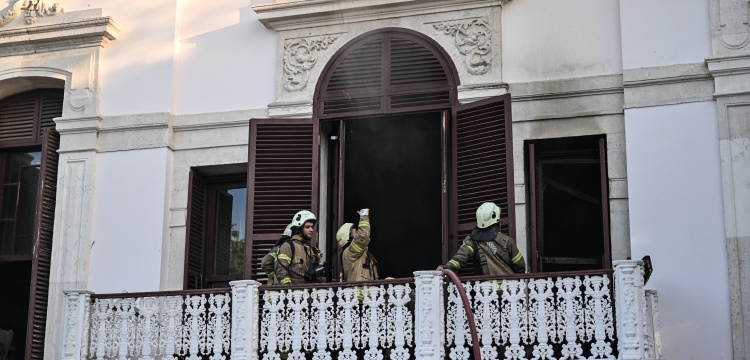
472, 39
31, 9
300, 56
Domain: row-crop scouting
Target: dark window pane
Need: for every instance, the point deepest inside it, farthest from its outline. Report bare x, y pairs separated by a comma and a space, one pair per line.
6, 238
229, 246
11, 168
25, 221
10, 194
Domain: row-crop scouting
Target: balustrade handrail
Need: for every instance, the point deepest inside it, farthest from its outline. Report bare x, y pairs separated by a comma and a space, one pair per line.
324, 285
537, 275
160, 293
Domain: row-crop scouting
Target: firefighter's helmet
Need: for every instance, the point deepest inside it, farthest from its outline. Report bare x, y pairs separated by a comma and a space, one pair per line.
488, 214
288, 230
302, 217
342, 236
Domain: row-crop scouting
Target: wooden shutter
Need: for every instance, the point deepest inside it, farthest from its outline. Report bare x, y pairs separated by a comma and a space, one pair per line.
482, 164
383, 73
282, 178
196, 232
535, 216
24, 117
607, 257
41, 258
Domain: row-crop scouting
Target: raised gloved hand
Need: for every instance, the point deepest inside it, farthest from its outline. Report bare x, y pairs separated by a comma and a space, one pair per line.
364, 212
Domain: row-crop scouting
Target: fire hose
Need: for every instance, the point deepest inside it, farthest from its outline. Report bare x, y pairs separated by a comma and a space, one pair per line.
469, 314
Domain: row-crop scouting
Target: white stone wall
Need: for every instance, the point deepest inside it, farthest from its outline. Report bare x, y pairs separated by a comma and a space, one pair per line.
674, 182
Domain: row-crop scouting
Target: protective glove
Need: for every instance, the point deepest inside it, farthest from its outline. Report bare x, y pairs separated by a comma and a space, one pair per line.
364, 212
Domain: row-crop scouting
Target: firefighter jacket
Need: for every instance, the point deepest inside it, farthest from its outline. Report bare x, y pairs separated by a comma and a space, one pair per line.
297, 266
358, 262
500, 255
268, 263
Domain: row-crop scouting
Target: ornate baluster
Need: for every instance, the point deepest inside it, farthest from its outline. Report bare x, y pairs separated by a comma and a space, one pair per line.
487, 320
514, 319
430, 336
457, 328
322, 319
599, 324
541, 317
375, 327
217, 331
171, 322
76, 324
569, 316
102, 312
244, 319
399, 321
125, 334
273, 316
299, 322
347, 323
629, 284
147, 327
651, 326
194, 336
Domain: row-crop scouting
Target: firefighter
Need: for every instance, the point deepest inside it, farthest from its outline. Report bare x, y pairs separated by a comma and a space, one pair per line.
297, 261
357, 261
493, 252
269, 261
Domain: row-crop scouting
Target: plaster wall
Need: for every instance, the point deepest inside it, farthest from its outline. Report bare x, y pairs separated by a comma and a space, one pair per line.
674, 186
546, 40
226, 61
129, 220
657, 33
137, 69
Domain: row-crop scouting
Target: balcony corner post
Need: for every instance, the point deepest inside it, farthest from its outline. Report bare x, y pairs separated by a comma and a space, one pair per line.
630, 305
429, 316
245, 333
76, 325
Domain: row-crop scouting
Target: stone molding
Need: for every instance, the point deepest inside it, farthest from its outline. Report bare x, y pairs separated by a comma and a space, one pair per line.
300, 56
667, 85
291, 15
70, 32
473, 39
290, 109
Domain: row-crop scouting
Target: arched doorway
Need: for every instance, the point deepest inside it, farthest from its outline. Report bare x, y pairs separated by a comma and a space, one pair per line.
387, 133
382, 104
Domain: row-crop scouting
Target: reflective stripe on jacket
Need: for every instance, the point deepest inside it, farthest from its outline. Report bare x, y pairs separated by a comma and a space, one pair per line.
505, 260
355, 255
292, 270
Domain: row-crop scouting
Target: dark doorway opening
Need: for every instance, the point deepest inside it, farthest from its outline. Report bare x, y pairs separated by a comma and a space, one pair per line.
569, 210
394, 165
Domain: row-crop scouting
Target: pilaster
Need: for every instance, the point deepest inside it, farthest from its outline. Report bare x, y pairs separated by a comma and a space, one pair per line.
730, 68
429, 316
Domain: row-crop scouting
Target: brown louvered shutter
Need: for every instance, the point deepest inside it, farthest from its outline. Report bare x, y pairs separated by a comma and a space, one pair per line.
482, 163
40, 265
383, 73
24, 117
282, 179
196, 232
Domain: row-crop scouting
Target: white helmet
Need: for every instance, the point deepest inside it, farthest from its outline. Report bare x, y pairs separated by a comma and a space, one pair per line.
342, 236
287, 231
302, 217
488, 214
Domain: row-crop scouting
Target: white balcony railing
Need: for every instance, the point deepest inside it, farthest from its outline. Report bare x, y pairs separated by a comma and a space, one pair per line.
533, 316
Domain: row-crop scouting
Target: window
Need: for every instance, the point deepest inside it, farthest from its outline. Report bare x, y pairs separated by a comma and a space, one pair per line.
568, 204
216, 228
28, 174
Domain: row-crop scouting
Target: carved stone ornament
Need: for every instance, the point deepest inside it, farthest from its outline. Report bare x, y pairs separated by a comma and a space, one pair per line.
31, 9
80, 98
300, 56
472, 38
734, 23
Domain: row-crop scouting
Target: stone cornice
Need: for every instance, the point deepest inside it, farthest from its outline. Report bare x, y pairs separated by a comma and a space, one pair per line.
296, 14
729, 65
65, 32
661, 75
567, 88
75, 125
